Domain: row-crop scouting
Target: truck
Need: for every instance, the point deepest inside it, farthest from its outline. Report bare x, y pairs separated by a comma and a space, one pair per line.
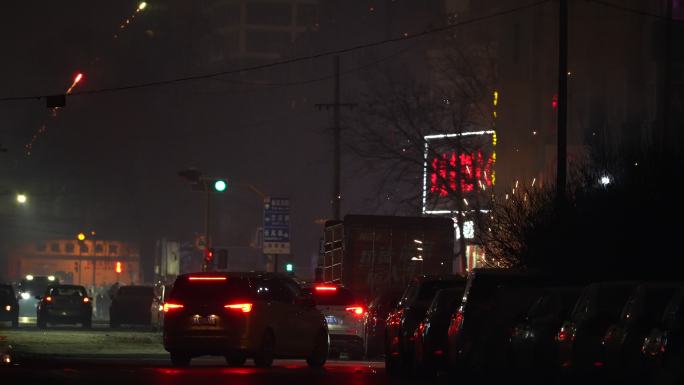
371, 253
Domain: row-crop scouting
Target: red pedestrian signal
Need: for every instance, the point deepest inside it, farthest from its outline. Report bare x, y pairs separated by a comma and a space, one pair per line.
208, 255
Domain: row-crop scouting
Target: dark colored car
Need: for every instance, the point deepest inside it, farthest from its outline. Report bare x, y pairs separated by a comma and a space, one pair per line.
470, 333
579, 338
403, 321
131, 305
430, 336
623, 340
532, 346
65, 304
663, 347
240, 315
31, 287
9, 305
374, 322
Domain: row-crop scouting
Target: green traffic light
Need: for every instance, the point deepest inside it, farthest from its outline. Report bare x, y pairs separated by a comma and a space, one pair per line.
220, 185
289, 267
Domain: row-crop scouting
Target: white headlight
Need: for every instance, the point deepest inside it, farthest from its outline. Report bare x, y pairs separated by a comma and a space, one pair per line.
29, 277
8, 308
51, 277
25, 295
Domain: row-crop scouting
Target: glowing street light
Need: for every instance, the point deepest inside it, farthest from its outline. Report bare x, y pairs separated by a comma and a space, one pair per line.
81, 237
605, 180
21, 198
142, 6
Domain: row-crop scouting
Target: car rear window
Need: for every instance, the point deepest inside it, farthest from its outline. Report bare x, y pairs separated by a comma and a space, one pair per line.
136, 291
68, 291
339, 297
209, 291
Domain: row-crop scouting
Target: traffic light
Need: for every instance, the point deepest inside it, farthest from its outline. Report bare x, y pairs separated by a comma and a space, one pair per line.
219, 185
208, 255
289, 267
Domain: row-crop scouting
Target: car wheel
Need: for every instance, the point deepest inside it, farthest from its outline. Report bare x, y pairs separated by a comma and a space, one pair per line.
180, 359
320, 351
87, 323
237, 359
264, 356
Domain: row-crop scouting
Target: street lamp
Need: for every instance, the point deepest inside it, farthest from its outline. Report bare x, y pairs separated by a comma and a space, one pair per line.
21, 198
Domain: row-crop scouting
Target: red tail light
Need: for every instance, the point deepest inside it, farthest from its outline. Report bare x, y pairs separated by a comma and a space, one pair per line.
562, 336
171, 306
48, 299
86, 300
356, 310
191, 278
326, 288
244, 307
458, 321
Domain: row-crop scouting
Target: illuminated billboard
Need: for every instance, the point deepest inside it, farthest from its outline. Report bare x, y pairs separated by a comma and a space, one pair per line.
458, 166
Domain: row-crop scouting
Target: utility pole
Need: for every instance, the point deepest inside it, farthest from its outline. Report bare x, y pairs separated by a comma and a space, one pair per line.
668, 136
337, 189
562, 156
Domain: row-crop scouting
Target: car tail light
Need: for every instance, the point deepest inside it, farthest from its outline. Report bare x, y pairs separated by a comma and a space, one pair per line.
244, 307
458, 321
86, 300
356, 310
567, 332
48, 299
171, 306
326, 288
206, 278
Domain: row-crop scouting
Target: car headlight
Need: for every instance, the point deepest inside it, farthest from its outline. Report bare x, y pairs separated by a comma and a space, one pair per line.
8, 307
25, 295
6, 359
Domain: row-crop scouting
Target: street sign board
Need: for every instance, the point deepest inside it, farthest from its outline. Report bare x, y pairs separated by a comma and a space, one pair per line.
276, 226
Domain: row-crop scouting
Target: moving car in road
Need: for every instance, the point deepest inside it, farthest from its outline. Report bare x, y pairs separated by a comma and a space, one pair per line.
9, 306
344, 314
403, 321
29, 288
532, 346
240, 315
579, 338
431, 334
65, 304
623, 340
468, 339
374, 322
663, 347
131, 305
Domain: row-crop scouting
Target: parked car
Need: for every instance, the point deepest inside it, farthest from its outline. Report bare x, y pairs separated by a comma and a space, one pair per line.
430, 336
240, 315
532, 346
344, 314
374, 322
402, 322
468, 334
579, 338
663, 347
131, 305
623, 340
65, 304
9, 305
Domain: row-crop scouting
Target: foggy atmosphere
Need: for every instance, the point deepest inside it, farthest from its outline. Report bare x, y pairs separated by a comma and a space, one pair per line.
341, 191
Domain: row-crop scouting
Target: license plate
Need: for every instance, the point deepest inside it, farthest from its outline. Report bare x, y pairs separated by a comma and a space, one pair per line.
331, 320
204, 321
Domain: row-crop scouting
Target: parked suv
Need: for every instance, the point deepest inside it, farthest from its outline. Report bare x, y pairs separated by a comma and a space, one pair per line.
431, 334
663, 347
344, 315
131, 305
374, 322
579, 338
65, 304
403, 321
240, 315
9, 306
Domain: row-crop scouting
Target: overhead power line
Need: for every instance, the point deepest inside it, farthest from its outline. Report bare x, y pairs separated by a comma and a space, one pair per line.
289, 61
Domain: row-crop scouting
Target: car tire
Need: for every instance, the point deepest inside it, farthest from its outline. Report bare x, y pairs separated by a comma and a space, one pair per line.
87, 323
319, 355
264, 356
236, 359
180, 359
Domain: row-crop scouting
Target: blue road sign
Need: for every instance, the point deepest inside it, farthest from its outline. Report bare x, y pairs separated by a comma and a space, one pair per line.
276, 226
